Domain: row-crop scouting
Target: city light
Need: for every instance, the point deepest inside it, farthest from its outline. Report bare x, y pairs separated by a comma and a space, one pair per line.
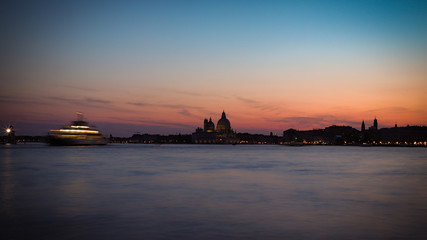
73, 126
76, 131
8, 130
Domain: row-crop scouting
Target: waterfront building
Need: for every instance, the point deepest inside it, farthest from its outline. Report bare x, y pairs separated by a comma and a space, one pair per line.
223, 133
374, 127
209, 126
371, 135
223, 125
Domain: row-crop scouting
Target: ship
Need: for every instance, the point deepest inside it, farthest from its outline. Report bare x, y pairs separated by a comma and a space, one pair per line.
76, 133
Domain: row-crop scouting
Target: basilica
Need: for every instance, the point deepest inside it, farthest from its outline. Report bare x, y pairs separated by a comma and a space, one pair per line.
222, 134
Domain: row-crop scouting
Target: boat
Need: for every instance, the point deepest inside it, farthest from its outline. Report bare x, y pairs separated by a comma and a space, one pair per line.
76, 133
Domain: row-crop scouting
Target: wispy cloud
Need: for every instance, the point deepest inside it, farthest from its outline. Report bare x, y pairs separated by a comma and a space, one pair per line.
168, 124
22, 100
187, 113
316, 121
247, 100
257, 104
94, 100
89, 102
84, 101
139, 104
175, 106
187, 93
150, 122
163, 105
387, 109
87, 89
66, 100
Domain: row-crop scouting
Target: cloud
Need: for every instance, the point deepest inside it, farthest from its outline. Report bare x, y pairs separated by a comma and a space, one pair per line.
171, 106
320, 121
175, 106
148, 122
187, 93
21, 100
93, 100
167, 124
77, 87
198, 93
388, 109
139, 104
90, 102
257, 104
187, 113
85, 101
247, 100
66, 100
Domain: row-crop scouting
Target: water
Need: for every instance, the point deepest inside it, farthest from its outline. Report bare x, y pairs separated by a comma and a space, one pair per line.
212, 192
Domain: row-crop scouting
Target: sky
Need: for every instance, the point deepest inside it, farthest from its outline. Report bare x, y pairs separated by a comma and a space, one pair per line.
163, 66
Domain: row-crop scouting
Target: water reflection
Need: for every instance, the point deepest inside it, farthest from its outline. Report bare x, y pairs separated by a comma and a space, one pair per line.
7, 184
211, 192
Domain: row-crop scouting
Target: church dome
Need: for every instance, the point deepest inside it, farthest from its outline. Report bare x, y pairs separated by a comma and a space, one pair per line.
223, 124
209, 126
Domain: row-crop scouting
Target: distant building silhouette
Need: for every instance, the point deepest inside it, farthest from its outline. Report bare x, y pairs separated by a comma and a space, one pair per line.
223, 125
330, 135
373, 127
223, 133
409, 135
209, 126
372, 135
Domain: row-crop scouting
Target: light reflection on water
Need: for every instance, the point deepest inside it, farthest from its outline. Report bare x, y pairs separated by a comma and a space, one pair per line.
213, 192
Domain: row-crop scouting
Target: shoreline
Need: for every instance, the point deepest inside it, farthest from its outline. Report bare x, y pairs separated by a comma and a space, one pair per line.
241, 144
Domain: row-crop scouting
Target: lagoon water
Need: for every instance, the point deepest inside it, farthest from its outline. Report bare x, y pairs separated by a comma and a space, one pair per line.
125, 191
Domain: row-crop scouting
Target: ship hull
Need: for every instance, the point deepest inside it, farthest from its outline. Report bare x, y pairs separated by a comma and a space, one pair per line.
58, 140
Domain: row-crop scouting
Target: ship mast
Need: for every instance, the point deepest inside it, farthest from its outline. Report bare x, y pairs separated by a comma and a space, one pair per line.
79, 116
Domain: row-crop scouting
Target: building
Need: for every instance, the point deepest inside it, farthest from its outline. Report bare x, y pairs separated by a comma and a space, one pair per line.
330, 135
209, 126
222, 134
374, 127
371, 135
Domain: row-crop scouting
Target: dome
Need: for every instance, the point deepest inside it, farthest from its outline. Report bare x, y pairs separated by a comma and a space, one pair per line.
209, 126
223, 124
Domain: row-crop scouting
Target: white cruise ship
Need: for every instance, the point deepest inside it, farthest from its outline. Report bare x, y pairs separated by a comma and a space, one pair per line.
77, 133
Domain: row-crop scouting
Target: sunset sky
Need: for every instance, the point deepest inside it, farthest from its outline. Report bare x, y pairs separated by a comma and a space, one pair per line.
164, 66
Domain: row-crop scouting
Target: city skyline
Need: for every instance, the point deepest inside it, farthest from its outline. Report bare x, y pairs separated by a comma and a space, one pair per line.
161, 67
363, 125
